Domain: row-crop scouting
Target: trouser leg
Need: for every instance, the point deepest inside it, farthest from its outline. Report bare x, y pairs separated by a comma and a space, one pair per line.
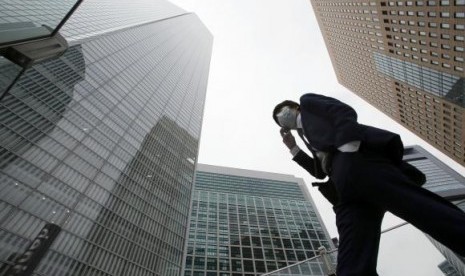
385, 186
359, 226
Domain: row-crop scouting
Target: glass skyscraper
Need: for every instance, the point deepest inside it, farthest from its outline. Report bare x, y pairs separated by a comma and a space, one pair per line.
446, 182
440, 178
103, 140
249, 222
448, 269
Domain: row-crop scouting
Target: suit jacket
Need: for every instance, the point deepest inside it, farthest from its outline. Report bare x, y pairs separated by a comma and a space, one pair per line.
329, 123
328, 189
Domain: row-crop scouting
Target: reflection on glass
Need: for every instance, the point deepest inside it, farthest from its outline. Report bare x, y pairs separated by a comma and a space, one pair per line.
27, 106
103, 141
133, 224
34, 19
28, 117
8, 73
262, 233
313, 266
432, 81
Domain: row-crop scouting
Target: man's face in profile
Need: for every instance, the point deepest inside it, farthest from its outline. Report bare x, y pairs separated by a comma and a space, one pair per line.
287, 117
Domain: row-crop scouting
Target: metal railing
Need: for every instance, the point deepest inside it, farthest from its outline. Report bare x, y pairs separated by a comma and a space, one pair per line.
323, 264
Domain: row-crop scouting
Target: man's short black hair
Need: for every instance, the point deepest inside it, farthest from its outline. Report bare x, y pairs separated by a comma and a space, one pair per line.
279, 106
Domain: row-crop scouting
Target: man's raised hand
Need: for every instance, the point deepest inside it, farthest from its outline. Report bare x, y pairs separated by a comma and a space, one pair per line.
288, 138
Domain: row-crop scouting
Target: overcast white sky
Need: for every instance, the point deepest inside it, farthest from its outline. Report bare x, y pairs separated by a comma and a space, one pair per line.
266, 51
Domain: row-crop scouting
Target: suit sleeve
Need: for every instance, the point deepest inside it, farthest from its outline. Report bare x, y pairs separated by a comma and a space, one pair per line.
306, 162
414, 174
327, 189
342, 116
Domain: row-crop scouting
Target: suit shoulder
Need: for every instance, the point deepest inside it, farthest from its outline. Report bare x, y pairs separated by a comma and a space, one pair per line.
310, 96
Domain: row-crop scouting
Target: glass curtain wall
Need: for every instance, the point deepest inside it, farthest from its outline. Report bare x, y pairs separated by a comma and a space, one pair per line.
103, 142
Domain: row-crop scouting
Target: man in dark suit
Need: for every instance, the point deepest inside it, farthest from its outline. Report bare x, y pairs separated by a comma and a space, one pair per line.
367, 177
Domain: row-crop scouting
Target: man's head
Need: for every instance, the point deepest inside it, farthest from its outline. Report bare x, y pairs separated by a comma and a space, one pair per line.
285, 114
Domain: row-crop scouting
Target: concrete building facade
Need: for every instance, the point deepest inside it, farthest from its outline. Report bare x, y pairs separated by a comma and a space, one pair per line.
406, 58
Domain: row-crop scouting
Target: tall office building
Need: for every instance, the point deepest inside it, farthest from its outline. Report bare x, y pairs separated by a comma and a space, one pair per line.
100, 143
406, 58
447, 183
447, 269
455, 262
249, 222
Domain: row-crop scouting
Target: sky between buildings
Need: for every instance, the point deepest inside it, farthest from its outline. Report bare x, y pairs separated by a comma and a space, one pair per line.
266, 51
